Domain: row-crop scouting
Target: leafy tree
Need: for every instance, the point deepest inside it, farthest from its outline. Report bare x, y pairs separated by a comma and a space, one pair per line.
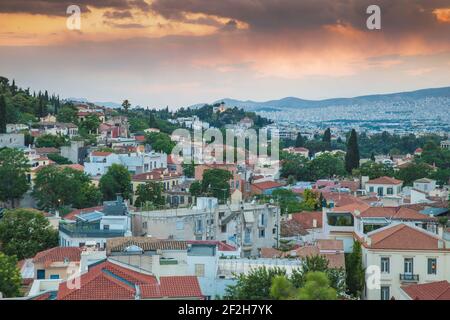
195, 189
50, 141
355, 271
116, 181
374, 170
160, 142
326, 166
26, 232
10, 278
282, 288
55, 187
254, 285
216, 183
317, 287
413, 172
150, 192
189, 170
3, 120
13, 175
58, 158
352, 155
67, 114
90, 124
126, 105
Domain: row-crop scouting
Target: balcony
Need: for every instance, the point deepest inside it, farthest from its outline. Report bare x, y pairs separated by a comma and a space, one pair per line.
406, 277
88, 231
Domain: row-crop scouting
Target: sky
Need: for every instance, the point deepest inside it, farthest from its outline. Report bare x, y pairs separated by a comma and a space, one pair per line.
177, 53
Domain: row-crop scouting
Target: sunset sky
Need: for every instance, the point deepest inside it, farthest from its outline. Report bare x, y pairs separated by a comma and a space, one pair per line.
182, 52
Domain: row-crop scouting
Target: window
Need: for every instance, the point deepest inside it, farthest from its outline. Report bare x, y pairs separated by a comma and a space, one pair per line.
144, 225
385, 265
262, 233
408, 265
385, 294
199, 270
432, 266
223, 228
390, 191
54, 276
380, 191
274, 230
106, 227
40, 274
371, 189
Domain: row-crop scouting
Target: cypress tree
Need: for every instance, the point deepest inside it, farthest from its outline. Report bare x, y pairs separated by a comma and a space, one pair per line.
2, 114
300, 141
327, 139
352, 156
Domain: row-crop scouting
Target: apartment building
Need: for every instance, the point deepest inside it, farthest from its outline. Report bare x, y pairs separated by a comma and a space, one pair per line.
247, 226
405, 255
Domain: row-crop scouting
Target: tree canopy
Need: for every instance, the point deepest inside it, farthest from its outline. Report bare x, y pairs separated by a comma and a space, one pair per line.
13, 172
117, 180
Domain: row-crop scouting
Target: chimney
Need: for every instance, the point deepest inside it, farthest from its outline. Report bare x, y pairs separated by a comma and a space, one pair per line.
314, 223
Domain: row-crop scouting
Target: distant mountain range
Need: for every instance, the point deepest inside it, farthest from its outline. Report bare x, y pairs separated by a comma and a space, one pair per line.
295, 103
112, 105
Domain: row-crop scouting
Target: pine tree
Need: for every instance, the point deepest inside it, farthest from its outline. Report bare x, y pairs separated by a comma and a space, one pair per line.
352, 156
2, 114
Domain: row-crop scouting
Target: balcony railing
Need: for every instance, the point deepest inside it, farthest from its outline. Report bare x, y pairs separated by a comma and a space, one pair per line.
409, 277
76, 231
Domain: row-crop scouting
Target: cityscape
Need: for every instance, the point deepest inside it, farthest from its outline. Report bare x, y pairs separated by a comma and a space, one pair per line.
338, 192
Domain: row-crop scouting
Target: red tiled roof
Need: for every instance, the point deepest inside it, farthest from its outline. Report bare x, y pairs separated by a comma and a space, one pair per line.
139, 138
109, 281
71, 215
58, 254
400, 213
267, 185
403, 237
306, 219
270, 253
384, 180
46, 150
439, 290
328, 244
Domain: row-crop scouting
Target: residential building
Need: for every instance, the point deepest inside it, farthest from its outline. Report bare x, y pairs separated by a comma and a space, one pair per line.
425, 185
137, 163
57, 263
298, 150
265, 188
96, 226
445, 144
247, 226
405, 255
115, 281
384, 186
58, 128
12, 140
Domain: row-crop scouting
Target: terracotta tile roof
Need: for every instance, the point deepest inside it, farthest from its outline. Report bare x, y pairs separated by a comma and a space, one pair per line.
270, 253
403, 237
267, 185
335, 260
72, 215
46, 150
328, 244
384, 180
221, 246
292, 228
305, 251
341, 199
306, 219
109, 281
139, 138
100, 154
396, 213
58, 254
145, 243
439, 290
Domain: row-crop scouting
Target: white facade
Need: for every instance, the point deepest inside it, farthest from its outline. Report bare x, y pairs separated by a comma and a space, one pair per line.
12, 140
384, 189
135, 162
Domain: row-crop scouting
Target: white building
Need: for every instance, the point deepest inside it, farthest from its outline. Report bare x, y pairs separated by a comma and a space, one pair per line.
405, 255
136, 163
384, 186
12, 140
